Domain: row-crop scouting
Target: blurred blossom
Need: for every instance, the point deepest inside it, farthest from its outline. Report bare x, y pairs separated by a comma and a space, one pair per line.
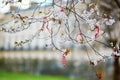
107, 58
110, 22
4, 8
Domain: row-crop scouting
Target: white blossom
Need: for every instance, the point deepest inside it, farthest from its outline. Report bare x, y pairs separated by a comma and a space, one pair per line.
86, 15
107, 58
110, 22
91, 22
116, 53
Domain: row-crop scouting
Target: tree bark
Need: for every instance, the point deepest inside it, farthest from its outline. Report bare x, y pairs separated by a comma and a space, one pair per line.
116, 75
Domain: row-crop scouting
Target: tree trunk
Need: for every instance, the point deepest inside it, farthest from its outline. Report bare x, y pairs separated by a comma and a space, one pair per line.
116, 75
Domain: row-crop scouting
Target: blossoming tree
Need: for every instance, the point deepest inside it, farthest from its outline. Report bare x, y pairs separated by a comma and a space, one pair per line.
77, 21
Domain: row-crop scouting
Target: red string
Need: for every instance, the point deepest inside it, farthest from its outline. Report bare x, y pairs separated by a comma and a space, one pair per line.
64, 60
97, 31
62, 9
79, 34
43, 25
48, 28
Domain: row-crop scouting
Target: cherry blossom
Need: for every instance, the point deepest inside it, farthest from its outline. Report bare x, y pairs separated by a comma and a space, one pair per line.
109, 21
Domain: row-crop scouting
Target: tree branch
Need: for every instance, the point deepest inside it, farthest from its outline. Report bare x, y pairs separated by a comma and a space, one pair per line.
117, 2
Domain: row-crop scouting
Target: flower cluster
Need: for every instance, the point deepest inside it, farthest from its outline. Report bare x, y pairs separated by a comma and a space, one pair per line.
109, 21
54, 21
116, 52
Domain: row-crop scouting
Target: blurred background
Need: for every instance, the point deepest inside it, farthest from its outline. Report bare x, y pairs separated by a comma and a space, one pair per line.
38, 61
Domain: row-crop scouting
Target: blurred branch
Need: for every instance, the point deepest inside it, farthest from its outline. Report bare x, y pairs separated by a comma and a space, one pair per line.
117, 2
